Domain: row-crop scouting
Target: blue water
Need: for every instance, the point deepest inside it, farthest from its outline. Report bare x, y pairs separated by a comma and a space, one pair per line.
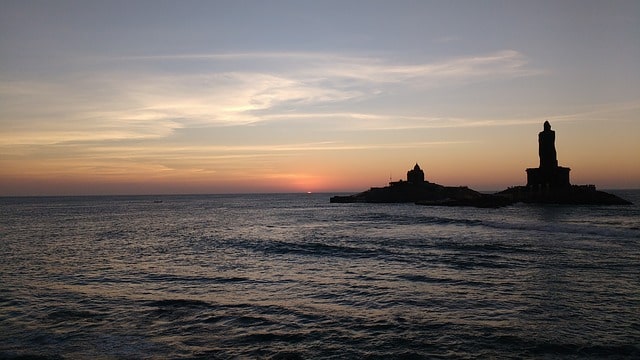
295, 277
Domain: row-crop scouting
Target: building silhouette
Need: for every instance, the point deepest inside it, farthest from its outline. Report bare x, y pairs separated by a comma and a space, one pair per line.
416, 175
546, 184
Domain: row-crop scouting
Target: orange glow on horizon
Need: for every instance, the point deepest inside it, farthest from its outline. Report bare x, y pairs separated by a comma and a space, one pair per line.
337, 181
480, 165
293, 108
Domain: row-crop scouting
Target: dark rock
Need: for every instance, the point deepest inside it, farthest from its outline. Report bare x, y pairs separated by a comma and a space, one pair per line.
573, 195
416, 190
546, 184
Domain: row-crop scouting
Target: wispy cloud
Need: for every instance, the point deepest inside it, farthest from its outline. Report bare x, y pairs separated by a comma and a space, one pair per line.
508, 63
225, 89
114, 159
446, 39
373, 68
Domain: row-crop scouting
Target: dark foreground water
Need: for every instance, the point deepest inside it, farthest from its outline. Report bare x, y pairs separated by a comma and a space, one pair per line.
294, 277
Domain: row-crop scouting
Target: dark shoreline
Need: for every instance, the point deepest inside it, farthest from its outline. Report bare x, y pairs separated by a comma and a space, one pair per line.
431, 194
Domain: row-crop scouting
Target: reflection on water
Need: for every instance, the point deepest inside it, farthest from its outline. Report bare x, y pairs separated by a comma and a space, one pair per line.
260, 276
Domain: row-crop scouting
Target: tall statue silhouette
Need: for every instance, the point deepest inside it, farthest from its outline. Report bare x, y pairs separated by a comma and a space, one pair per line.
547, 147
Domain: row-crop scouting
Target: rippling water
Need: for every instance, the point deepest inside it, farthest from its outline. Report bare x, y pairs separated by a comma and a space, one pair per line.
295, 277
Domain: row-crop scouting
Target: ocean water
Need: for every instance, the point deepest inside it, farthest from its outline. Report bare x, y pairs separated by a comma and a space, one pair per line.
295, 277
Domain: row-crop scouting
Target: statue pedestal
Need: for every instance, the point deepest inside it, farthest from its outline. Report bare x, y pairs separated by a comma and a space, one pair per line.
544, 178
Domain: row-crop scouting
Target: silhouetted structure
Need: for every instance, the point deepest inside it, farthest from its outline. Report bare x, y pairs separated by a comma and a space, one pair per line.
548, 174
420, 191
546, 184
549, 183
547, 147
415, 176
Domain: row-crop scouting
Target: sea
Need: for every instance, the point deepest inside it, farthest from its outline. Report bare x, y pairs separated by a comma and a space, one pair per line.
292, 276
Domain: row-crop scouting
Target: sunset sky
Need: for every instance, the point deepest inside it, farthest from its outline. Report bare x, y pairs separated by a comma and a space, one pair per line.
154, 97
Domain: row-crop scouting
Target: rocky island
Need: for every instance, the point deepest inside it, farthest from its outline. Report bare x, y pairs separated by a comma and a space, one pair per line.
549, 183
417, 190
546, 184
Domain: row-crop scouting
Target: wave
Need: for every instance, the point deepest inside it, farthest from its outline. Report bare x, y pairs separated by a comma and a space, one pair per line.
197, 279
536, 348
178, 303
28, 356
437, 280
318, 249
565, 228
616, 229
74, 315
610, 228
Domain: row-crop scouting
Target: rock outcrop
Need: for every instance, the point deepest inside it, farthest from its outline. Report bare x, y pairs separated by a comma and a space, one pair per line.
416, 190
550, 183
546, 184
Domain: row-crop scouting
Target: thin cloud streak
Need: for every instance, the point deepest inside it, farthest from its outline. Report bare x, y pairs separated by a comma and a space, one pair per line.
116, 106
287, 55
253, 150
372, 68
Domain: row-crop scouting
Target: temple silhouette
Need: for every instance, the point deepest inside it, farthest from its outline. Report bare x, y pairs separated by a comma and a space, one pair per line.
417, 189
546, 184
416, 175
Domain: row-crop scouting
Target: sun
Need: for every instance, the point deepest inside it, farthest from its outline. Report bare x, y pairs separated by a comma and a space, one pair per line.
308, 183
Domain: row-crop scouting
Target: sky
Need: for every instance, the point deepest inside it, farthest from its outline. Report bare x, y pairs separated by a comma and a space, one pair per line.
183, 97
